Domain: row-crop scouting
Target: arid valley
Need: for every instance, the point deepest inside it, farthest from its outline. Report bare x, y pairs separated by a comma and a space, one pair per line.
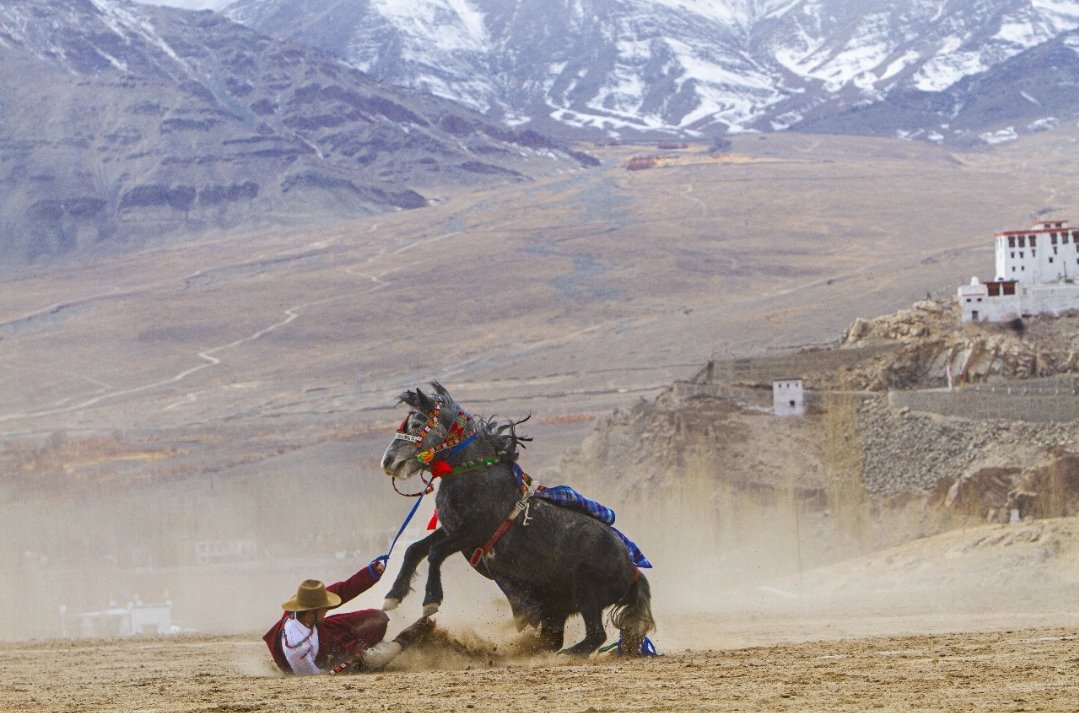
238, 389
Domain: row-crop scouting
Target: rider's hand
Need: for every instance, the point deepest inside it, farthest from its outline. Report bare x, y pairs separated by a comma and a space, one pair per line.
379, 566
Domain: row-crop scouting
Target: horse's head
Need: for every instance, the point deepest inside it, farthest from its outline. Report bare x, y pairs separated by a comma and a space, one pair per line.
434, 426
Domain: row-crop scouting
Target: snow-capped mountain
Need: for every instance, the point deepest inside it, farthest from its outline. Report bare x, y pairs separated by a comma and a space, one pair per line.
120, 122
710, 66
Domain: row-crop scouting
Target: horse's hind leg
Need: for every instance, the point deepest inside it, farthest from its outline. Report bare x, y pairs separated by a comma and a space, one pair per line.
413, 555
591, 609
633, 616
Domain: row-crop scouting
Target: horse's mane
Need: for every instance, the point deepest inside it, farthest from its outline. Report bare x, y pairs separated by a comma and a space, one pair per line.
504, 434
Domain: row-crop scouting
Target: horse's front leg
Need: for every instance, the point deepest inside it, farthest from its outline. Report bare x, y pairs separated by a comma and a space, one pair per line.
403, 584
432, 599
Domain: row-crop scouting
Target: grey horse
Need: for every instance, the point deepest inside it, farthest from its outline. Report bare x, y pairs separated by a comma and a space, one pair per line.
551, 563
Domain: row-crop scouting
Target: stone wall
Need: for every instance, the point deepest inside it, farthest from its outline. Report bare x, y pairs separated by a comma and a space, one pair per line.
759, 397
1035, 400
805, 364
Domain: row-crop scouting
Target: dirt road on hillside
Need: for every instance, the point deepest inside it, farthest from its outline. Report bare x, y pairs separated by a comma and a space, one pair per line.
1021, 670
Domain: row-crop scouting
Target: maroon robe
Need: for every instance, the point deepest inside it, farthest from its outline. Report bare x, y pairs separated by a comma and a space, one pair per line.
340, 636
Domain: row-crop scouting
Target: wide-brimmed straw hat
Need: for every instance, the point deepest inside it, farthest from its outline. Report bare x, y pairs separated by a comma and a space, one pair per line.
312, 594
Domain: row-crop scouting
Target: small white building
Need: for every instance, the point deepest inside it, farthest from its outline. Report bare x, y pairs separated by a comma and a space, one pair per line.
788, 397
1036, 271
134, 619
219, 551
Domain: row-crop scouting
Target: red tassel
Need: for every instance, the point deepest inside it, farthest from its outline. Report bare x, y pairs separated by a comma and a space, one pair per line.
433, 524
440, 468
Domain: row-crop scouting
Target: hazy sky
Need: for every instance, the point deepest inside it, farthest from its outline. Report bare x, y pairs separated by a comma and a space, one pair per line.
190, 4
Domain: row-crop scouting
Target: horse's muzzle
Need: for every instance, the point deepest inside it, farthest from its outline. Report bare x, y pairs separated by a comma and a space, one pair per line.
400, 467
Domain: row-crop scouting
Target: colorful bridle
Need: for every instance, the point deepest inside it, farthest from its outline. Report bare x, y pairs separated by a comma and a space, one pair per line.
459, 435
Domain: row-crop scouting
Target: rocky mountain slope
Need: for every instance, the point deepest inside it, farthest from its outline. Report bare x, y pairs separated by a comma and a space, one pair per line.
931, 342
864, 468
120, 122
957, 72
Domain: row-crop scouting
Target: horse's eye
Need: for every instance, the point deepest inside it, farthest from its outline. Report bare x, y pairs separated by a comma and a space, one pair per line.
408, 423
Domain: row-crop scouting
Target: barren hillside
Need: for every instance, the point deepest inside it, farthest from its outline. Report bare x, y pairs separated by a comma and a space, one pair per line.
886, 452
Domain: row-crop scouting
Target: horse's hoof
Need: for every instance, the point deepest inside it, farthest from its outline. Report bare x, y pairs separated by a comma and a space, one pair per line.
431, 609
577, 651
631, 645
389, 604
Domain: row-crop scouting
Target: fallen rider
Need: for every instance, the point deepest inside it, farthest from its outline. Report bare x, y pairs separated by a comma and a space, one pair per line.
305, 641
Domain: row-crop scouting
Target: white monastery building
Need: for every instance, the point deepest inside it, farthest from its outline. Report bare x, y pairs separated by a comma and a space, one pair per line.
788, 397
1036, 274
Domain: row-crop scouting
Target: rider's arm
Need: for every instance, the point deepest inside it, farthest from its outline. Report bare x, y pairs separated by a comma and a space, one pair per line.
358, 583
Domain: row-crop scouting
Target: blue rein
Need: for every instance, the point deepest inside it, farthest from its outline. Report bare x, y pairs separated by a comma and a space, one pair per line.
462, 444
384, 559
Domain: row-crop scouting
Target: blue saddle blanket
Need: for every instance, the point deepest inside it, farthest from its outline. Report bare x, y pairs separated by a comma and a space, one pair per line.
567, 497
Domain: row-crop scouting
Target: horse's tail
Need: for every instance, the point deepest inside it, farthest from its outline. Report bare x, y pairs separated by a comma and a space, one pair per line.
632, 615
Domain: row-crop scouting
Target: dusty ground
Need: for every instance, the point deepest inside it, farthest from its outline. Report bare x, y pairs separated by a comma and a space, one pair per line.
1016, 670
982, 619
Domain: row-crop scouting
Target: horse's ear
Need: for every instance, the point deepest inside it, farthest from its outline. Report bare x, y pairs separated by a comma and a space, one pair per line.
417, 400
440, 390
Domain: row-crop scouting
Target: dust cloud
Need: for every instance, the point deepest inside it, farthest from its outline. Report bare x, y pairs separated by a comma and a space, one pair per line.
736, 569
222, 550
732, 568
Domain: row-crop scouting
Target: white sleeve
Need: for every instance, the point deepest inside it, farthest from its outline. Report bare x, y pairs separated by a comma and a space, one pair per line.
300, 645
303, 664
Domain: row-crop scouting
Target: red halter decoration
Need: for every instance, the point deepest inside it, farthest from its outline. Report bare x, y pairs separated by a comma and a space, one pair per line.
432, 421
457, 433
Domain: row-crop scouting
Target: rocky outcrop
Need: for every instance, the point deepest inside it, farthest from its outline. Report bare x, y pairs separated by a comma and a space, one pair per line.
916, 471
910, 452
982, 492
1051, 490
933, 342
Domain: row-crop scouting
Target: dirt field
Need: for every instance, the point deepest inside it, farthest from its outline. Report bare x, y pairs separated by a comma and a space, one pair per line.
981, 619
1017, 670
